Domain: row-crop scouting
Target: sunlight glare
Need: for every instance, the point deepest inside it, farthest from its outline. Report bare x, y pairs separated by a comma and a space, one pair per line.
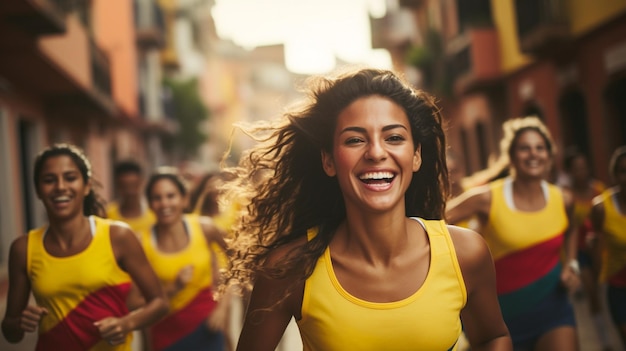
316, 33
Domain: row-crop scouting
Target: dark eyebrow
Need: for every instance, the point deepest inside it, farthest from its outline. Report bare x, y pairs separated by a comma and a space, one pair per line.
362, 130
73, 171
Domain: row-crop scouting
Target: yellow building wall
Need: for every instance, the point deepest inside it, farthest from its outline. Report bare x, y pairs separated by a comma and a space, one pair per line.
506, 24
585, 15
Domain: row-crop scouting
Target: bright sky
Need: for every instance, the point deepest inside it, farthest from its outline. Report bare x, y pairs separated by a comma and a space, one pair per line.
315, 32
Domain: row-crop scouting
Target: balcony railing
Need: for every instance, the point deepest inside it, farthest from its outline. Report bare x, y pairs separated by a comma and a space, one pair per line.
541, 25
474, 59
149, 24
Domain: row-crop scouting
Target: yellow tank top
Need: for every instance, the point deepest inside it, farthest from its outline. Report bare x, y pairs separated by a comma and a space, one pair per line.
332, 319
190, 306
77, 291
167, 265
509, 230
614, 227
526, 247
137, 224
582, 206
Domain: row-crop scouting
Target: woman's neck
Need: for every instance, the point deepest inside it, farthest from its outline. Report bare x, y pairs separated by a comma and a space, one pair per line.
528, 194
376, 237
580, 187
68, 231
171, 237
175, 228
131, 208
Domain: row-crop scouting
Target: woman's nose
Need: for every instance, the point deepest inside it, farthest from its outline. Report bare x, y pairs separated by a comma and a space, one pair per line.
376, 151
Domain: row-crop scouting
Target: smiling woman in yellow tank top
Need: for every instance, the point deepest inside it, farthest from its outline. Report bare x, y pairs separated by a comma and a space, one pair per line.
79, 267
178, 247
526, 223
345, 232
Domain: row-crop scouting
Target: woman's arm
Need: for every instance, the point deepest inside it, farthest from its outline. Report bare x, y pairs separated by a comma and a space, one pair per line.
570, 274
19, 317
597, 222
473, 202
136, 300
482, 319
218, 320
132, 259
213, 233
270, 308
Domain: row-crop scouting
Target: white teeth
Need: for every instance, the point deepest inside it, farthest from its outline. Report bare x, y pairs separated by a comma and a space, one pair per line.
376, 175
61, 199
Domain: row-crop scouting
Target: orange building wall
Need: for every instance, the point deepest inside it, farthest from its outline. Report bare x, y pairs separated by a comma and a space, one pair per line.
115, 33
541, 77
76, 42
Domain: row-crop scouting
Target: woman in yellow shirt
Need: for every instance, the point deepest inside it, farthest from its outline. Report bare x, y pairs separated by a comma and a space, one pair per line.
79, 266
345, 232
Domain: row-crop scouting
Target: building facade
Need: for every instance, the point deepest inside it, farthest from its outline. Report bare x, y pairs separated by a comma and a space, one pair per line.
68, 73
491, 60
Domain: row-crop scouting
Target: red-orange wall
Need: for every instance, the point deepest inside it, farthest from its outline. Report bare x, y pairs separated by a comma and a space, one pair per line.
115, 32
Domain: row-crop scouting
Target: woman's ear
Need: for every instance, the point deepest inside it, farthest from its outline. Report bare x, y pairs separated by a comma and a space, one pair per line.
417, 158
328, 164
87, 187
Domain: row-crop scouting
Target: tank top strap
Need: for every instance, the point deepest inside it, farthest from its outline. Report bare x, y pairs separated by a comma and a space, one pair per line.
100, 227
436, 235
442, 248
194, 228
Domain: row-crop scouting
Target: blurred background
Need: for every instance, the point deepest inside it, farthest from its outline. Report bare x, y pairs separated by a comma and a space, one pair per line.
163, 81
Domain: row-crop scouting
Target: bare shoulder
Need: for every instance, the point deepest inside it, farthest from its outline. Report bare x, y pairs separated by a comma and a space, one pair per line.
207, 224
119, 228
18, 249
211, 231
471, 248
280, 253
121, 234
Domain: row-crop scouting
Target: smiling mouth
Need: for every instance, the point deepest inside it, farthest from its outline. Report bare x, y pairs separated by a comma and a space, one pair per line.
377, 177
60, 199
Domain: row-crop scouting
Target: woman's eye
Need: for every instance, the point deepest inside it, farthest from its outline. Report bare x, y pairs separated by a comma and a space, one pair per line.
351, 141
396, 138
48, 180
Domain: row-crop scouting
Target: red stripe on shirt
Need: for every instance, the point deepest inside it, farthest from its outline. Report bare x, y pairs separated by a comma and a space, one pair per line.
521, 268
184, 321
76, 331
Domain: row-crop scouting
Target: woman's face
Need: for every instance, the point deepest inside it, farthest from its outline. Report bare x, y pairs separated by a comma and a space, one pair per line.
61, 187
530, 156
166, 201
580, 170
373, 155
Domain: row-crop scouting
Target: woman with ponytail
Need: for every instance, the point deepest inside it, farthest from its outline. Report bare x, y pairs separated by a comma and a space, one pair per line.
79, 266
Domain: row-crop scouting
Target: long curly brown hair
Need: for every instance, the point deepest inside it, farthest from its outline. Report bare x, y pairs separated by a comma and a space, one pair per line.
288, 191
